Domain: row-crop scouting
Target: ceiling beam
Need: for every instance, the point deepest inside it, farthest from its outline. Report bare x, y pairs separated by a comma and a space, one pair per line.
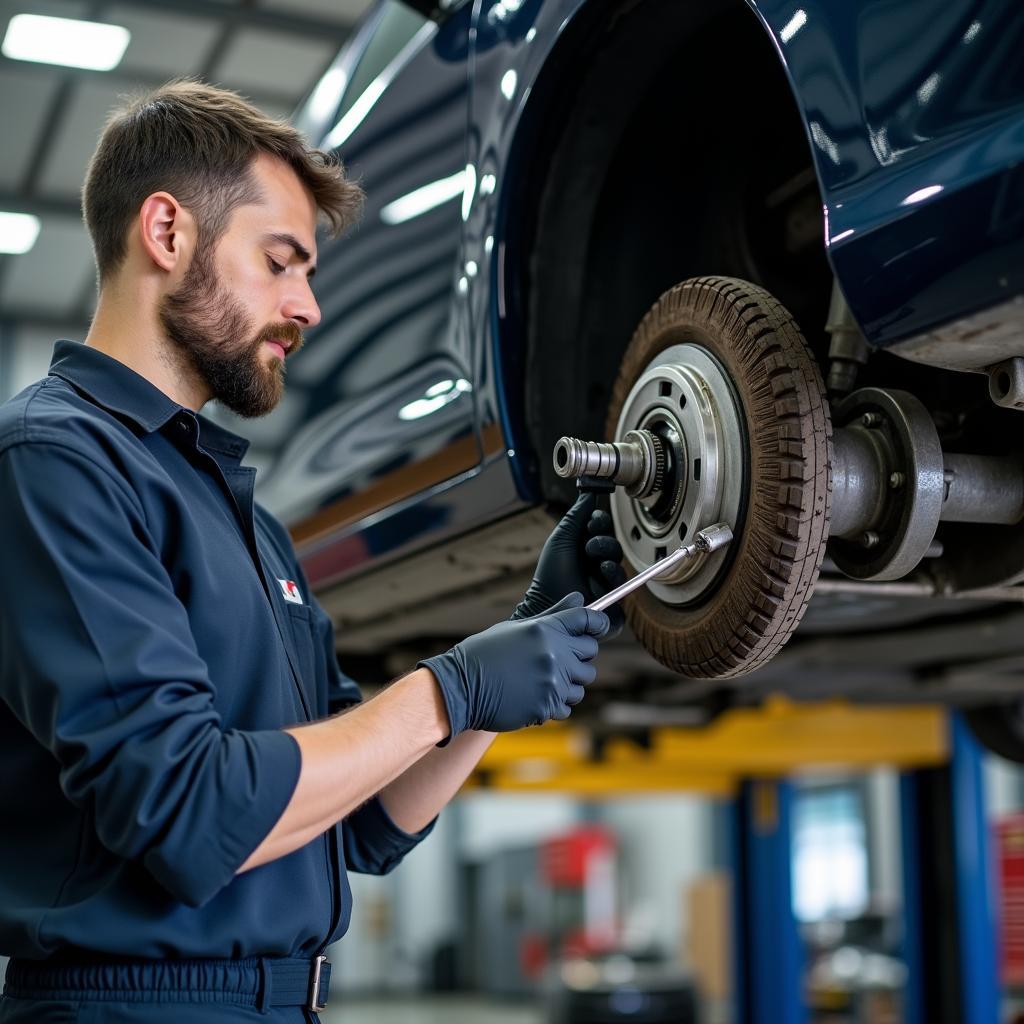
225, 34
136, 80
11, 202
52, 121
12, 319
296, 24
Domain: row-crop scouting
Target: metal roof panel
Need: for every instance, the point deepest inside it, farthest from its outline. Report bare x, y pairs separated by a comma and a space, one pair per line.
164, 43
24, 101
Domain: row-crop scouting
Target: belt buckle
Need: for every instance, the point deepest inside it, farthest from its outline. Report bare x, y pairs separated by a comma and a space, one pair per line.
314, 1003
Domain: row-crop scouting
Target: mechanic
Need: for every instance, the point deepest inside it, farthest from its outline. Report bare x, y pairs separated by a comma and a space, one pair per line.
187, 775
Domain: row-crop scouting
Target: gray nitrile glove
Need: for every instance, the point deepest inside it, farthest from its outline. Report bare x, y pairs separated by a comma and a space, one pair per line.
581, 554
520, 672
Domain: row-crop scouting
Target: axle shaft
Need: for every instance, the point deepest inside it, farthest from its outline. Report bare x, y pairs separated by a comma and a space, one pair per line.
619, 462
638, 462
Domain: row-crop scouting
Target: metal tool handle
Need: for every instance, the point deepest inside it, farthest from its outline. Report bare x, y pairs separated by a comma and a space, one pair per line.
711, 538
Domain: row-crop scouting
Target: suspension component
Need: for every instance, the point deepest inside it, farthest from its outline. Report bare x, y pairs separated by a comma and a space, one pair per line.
892, 484
849, 349
1006, 383
882, 532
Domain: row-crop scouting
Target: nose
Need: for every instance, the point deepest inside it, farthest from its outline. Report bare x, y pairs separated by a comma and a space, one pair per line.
301, 306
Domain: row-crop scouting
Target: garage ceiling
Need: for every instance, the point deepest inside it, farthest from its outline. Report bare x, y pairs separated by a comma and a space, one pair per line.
272, 51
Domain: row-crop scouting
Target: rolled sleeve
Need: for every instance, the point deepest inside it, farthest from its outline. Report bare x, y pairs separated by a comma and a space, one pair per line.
373, 843
99, 663
223, 821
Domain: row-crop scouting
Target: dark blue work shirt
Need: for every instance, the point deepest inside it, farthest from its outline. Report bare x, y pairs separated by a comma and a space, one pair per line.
157, 634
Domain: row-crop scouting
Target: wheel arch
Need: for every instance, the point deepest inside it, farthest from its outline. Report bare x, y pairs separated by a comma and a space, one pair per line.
586, 255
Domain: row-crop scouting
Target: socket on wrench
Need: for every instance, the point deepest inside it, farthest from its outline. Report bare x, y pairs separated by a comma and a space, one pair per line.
711, 538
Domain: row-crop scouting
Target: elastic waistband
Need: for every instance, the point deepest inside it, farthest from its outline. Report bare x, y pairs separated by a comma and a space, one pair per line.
254, 981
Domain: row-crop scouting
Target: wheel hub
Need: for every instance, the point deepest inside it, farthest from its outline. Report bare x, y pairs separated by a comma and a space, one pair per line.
685, 401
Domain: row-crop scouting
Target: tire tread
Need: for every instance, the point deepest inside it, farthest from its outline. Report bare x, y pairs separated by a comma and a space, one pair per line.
782, 541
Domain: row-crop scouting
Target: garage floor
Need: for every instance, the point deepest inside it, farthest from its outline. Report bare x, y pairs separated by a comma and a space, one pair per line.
429, 1010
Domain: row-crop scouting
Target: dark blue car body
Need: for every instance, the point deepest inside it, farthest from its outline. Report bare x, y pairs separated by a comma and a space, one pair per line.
538, 171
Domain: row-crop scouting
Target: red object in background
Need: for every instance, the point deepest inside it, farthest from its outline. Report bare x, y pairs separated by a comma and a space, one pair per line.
533, 955
564, 860
1010, 833
579, 871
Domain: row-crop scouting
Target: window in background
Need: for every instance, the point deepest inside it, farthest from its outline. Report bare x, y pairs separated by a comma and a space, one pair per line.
830, 853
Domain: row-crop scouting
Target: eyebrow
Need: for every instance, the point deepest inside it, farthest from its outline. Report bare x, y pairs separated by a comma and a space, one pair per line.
300, 250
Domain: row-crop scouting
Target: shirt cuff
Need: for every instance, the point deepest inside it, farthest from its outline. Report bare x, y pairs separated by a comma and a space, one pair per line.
399, 835
373, 829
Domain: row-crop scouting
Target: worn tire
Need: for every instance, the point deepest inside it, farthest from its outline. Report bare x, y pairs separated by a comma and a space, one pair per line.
780, 539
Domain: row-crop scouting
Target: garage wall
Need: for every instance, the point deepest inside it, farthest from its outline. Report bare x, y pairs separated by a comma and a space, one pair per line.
666, 842
26, 350
426, 911
1004, 788
399, 920
491, 822
883, 807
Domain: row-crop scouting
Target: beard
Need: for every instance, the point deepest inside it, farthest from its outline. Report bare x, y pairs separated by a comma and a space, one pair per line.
211, 331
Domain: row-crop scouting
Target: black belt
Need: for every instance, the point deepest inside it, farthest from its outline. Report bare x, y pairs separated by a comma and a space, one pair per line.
260, 981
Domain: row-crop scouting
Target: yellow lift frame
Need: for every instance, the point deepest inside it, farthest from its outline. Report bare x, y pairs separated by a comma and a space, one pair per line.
779, 739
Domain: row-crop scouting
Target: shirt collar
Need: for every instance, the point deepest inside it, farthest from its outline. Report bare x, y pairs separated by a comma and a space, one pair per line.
114, 386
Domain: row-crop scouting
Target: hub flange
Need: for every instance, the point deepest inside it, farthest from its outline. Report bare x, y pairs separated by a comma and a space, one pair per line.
685, 400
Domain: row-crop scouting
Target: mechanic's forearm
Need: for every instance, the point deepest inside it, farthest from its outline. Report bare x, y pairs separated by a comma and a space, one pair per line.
348, 759
415, 798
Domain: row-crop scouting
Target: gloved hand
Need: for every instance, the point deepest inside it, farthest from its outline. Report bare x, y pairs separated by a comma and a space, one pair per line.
581, 554
520, 672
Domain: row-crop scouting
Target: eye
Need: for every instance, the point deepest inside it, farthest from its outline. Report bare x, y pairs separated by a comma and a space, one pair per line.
275, 267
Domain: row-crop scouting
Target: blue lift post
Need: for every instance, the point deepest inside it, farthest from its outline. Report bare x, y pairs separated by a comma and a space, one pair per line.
769, 957
950, 944
949, 906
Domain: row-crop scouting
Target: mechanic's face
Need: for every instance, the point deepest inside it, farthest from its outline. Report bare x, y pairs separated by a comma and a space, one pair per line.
251, 289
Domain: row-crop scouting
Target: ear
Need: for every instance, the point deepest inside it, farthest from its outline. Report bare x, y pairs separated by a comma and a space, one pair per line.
165, 230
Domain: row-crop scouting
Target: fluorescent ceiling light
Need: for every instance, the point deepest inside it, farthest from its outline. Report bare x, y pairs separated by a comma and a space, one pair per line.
425, 198
356, 113
928, 87
794, 25
75, 44
18, 232
922, 193
437, 397
327, 95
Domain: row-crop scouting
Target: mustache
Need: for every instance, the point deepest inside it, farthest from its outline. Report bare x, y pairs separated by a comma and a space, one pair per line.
288, 332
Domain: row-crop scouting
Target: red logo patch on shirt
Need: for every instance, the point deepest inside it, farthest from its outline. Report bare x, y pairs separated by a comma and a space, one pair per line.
290, 591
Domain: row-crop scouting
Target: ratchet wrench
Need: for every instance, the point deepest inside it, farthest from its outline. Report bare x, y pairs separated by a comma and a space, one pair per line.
711, 538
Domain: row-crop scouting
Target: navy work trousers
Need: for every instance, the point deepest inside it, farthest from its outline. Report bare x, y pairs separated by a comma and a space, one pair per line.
154, 992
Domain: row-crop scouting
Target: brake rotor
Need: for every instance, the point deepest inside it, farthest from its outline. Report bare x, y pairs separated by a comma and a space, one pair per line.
684, 399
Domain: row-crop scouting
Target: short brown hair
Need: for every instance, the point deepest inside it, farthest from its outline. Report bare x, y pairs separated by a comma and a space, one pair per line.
198, 143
